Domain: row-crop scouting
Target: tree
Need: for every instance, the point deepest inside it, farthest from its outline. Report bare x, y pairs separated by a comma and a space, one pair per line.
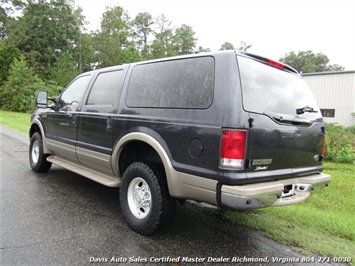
3, 23
243, 46
203, 50
308, 61
184, 40
163, 44
44, 32
141, 27
8, 53
83, 50
17, 94
112, 38
129, 55
86, 52
64, 70
7, 9
227, 46
158, 49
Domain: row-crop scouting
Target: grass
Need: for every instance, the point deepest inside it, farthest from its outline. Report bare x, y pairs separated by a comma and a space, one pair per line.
16, 121
323, 225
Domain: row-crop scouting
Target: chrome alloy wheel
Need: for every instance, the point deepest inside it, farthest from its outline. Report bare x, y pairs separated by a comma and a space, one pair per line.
139, 198
35, 152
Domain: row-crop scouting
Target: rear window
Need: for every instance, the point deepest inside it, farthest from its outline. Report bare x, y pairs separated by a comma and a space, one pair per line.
105, 89
183, 83
268, 89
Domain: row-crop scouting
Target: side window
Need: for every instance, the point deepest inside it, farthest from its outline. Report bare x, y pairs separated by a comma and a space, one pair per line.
183, 83
72, 94
105, 89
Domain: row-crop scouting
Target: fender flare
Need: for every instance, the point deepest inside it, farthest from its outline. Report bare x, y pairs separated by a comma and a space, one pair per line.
44, 139
139, 136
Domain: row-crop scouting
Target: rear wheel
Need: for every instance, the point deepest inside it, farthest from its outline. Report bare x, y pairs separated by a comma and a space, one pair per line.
144, 198
38, 160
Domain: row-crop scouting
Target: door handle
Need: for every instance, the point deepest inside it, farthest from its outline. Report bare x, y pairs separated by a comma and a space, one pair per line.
73, 119
109, 125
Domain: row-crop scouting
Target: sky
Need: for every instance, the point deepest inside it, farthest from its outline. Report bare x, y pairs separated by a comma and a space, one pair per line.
272, 27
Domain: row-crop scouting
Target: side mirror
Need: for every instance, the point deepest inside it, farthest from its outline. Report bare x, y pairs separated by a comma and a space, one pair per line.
41, 99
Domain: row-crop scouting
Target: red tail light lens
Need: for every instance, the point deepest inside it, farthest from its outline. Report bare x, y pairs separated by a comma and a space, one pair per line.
233, 149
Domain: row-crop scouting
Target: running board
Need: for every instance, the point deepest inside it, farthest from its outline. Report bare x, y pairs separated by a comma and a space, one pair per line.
106, 180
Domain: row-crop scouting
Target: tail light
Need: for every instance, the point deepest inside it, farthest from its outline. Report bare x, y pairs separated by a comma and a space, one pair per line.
233, 149
323, 148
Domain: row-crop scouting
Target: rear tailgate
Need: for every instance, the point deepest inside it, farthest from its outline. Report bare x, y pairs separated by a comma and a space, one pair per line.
287, 131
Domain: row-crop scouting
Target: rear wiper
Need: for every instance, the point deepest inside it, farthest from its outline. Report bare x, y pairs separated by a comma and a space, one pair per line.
289, 119
307, 108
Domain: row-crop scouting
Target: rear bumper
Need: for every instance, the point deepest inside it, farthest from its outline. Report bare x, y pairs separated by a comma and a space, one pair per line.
276, 193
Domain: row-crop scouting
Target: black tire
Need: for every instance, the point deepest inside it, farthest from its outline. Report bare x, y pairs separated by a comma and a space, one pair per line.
144, 198
38, 160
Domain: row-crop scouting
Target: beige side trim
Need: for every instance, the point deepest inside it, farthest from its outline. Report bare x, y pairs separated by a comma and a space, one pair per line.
65, 151
180, 185
95, 160
106, 180
60, 145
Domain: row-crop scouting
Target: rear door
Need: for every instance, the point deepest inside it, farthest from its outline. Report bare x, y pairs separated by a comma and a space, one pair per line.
95, 120
286, 135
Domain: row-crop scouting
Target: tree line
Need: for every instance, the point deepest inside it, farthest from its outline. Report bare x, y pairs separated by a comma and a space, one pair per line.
46, 43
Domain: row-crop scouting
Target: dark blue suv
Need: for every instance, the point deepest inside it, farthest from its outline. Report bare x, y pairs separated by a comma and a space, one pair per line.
229, 128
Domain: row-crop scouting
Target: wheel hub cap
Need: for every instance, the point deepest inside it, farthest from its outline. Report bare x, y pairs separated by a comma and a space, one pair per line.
35, 152
139, 198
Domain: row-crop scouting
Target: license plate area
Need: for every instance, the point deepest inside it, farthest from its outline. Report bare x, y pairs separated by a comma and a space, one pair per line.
288, 191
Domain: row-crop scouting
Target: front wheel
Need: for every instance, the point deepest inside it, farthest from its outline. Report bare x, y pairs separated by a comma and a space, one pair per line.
144, 198
38, 160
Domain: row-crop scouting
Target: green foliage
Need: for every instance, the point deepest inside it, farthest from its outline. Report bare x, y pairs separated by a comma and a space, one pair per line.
227, 46
65, 70
16, 121
309, 62
8, 53
243, 46
57, 46
163, 45
184, 40
128, 55
3, 22
44, 32
113, 37
326, 218
18, 92
142, 28
85, 53
340, 145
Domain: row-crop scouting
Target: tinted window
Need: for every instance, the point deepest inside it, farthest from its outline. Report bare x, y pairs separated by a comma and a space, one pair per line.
73, 93
268, 89
185, 83
105, 89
